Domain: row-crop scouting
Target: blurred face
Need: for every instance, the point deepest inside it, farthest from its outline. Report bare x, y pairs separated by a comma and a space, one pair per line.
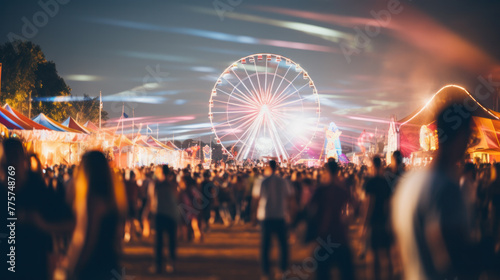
159, 173
268, 171
34, 164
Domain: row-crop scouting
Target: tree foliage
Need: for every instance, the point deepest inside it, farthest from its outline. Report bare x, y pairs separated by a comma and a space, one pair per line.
25, 70
87, 109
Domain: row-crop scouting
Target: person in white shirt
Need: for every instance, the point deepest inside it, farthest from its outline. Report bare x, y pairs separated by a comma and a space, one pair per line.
274, 196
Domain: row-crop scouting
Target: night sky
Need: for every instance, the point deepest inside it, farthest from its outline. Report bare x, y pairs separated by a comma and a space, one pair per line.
117, 47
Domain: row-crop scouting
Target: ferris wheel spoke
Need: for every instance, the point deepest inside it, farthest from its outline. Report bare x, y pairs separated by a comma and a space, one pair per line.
255, 121
278, 146
274, 98
281, 82
257, 74
249, 101
259, 118
252, 135
279, 105
287, 138
245, 146
235, 97
253, 96
238, 120
231, 103
288, 95
248, 123
253, 86
266, 94
274, 78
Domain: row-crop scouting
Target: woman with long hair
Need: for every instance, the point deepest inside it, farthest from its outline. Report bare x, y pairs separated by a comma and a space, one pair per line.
100, 206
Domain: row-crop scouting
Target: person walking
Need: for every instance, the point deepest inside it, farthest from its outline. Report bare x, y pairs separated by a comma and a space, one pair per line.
429, 213
327, 225
274, 196
100, 204
379, 193
166, 217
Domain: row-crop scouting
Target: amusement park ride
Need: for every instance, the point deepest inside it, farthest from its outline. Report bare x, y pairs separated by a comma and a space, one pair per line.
265, 105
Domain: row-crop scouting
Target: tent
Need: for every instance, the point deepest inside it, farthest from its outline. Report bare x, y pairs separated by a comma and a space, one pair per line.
157, 144
171, 145
122, 141
416, 132
23, 118
52, 124
71, 123
11, 121
141, 141
90, 126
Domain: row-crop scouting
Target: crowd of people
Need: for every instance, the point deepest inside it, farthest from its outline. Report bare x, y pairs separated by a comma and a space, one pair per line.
442, 222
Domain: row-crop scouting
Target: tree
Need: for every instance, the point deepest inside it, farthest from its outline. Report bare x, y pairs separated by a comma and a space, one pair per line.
49, 84
26, 72
87, 110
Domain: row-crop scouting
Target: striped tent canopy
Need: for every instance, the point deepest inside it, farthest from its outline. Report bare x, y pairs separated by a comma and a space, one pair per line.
122, 141
171, 145
12, 122
140, 140
23, 118
90, 126
71, 123
52, 124
157, 144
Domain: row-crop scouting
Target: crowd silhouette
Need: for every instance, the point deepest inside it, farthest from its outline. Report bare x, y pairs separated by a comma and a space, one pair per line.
438, 222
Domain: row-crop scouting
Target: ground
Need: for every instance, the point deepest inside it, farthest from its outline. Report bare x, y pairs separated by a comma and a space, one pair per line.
225, 254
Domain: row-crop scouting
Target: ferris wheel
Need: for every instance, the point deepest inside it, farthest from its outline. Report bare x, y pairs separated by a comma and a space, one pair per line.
264, 105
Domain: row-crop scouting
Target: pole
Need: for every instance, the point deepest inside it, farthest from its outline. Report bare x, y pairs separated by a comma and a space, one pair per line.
0, 78
100, 109
121, 117
29, 105
133, 122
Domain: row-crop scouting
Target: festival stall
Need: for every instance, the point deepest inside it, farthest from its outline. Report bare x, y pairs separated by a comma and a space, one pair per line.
63, 144
71, 123
143, 153
148, 150
4, 131
416, 135
91, 127
12, 122
120, 146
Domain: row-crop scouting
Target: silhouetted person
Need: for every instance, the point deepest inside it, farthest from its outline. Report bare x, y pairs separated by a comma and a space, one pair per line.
274, 195
208, 191
379, 192
132, 190
429, 213
329, 228
100, 205
166, 217
39, 211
